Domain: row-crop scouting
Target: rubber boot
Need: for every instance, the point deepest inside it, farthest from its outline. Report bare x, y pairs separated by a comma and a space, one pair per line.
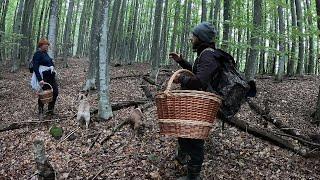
51, 108
40, 112
181, 157
193, 173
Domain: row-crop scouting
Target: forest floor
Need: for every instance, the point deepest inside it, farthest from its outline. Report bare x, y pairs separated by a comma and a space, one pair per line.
230, 153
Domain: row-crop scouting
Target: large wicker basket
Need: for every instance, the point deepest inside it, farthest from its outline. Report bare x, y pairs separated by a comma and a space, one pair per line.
186, 113
46, 96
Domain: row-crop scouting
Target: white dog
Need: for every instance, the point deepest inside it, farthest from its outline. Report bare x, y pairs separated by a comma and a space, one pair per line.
84, 109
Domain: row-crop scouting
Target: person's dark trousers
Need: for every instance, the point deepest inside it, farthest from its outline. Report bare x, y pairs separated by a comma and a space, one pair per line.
49, 77
195, 149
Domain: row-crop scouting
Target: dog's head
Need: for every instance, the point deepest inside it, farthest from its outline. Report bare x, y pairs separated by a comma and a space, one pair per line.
83, 95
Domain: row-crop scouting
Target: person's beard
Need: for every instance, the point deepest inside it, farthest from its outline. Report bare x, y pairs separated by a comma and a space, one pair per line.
195, 46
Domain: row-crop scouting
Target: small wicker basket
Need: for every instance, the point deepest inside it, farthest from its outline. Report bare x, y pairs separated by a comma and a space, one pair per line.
46, 96
186, 113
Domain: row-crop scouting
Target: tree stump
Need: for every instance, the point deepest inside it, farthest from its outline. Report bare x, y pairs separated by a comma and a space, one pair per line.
45, 170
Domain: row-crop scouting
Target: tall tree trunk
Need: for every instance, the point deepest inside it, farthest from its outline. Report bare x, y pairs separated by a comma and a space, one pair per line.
211, 13
301, 39
105, 111
204, 10
281, 44
52, 32
74, 27
175, 26
311, 66
84, 22
217, 8
317, 113
26, 45
3, 14
155, 55
187, 29
132, 46
164, 37
119, 34
291, 62
66, 38
44, 5
226, 23
94, 48
114, 24
17, 30
251, 64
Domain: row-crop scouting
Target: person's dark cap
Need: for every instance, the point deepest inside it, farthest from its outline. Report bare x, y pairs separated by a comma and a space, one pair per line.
205, 32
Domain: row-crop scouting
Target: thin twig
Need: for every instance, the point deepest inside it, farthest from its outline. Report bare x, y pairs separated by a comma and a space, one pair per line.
298, 138
115, 160
66, 137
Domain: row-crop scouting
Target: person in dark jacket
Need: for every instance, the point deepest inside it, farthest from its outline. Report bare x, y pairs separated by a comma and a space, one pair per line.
206, 68
43, 67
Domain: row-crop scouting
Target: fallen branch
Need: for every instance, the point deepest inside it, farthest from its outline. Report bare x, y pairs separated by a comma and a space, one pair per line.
264, 134
316, 145
282, 126
123, 104
128, 76
18, 125
94, 142
114, 130
66, 137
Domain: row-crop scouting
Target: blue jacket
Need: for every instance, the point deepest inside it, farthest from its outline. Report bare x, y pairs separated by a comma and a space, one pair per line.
43, 59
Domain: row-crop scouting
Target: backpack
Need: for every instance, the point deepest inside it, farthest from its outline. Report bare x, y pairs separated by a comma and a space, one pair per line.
232, 86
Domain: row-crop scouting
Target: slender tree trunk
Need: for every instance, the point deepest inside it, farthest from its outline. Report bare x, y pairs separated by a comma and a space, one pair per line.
119, 34
164, 38
291, 62
66, 38
94, 48
317, 113
281, 44
311, 66
175, 26
301, 39
132, 51
211, 13
17, 29
105, 111
204, 10
251, 64
74, 27
155, 55
44, 5
226, 23
114, 26
3, 27
216, 13
52, 32
26, 45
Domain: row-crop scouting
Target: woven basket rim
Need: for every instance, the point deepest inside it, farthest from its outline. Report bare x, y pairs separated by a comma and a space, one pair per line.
191, 93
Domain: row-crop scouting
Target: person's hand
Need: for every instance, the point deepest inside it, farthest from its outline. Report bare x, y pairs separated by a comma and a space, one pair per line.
176, 57
41, 83
176, 79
